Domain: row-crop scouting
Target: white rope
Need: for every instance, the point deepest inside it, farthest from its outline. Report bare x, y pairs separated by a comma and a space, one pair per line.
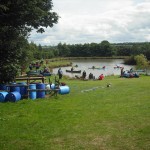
92, 89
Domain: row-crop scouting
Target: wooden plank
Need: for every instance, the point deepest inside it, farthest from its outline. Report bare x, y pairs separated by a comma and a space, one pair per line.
28, 79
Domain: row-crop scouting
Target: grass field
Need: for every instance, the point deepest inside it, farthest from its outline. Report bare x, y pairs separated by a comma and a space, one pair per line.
92, 117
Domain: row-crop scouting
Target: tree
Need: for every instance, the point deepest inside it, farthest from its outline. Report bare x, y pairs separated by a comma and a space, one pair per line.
141, 61
28, 14
106, 49
40, 47
63, 49
18, 19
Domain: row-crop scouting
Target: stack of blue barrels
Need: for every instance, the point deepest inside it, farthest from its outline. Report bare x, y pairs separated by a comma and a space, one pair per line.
17, 91
62, 89
40, 93
33, 94
12, 93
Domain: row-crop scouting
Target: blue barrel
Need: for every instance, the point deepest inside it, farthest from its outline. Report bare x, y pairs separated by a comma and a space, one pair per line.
47, 87
13, 97
23, 88
52, 86
2, 96
14, 87
64, 90
40, 94
3, 87
32, 94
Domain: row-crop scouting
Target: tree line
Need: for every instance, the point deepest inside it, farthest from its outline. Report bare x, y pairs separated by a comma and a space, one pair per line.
103, 49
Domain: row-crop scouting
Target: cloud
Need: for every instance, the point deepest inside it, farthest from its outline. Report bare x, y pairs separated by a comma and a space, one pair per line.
93, 21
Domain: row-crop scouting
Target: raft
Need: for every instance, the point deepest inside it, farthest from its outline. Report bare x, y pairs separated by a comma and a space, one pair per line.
74, 71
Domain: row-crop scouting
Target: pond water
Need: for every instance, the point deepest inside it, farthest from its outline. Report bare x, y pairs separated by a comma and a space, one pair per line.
85, 64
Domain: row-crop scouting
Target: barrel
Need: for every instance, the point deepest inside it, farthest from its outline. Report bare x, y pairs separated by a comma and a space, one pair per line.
14, 87
47, 87
52, 86
13, 96
32, 94
3, 87
2, 96
40, 94
23, 89
64, 89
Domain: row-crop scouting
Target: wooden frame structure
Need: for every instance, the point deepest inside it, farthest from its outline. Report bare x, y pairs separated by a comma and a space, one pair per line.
28, 79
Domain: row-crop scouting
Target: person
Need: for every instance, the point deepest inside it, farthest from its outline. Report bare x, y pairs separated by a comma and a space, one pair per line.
136, 75
30, 66
101, 77
104, 67
90, 76
122, 72
76, 65
93, 67
71, 68
84, 74
46, 70
117, 66
37, 66
60, 73
131, 70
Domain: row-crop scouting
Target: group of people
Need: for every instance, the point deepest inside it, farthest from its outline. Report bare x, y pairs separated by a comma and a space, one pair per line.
35, 65
129, 73
91, 76
84, 75
60, 73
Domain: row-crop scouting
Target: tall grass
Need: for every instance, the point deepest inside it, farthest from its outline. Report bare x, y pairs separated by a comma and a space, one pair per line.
92, 117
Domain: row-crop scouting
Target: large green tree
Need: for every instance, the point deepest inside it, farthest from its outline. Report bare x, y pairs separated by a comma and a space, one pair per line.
18, 18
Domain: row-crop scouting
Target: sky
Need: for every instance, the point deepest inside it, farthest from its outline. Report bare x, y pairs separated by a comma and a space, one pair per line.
92, 21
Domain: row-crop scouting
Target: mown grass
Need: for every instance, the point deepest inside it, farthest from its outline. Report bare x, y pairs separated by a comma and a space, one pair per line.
91, 117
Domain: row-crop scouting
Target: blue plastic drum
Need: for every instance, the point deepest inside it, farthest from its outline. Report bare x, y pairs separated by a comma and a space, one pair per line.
32, 94
64, 90
13, 97
47, 87
14, 87
23, 88
52, 86
2, 96
40, 94
3, 87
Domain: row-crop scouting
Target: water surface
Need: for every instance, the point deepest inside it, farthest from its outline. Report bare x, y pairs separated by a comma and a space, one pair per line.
85, 64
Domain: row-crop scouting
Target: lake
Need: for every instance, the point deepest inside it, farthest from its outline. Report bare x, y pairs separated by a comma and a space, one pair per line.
85, 64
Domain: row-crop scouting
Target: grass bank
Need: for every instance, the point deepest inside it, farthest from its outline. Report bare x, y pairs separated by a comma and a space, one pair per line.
66, 61
76, 58
91, 117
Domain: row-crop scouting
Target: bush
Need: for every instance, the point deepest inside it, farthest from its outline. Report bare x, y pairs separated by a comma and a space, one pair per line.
141, 61
130, 61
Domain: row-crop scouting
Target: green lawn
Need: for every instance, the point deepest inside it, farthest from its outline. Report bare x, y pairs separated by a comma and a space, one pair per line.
91, 117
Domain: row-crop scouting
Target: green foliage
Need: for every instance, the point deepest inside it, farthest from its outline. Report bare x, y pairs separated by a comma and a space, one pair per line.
12, 50
25, 15
141, 61
86, 50
18, 18
104, 49
130, 60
